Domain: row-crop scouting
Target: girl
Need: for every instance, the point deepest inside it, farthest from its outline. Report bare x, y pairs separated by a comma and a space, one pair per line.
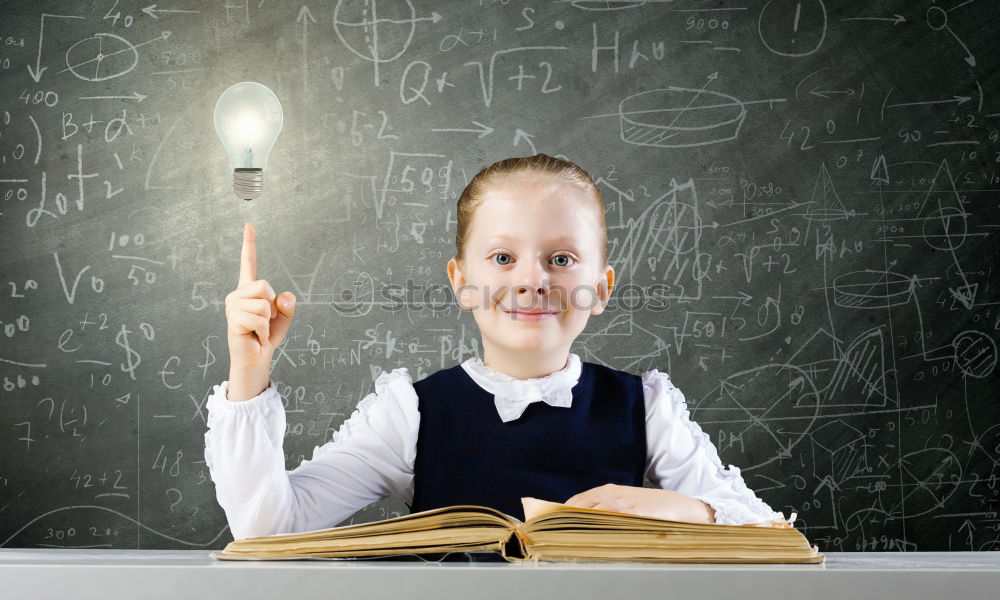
528, 419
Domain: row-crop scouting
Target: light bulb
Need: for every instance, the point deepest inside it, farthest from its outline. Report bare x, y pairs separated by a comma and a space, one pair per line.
248, 119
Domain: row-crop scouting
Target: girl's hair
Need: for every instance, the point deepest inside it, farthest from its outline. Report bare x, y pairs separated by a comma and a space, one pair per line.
542, 164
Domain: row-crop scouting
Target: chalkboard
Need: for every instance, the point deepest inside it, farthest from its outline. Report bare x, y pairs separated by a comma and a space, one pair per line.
801, 199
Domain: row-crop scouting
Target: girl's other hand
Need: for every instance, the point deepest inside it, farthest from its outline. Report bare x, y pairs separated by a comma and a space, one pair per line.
646, 502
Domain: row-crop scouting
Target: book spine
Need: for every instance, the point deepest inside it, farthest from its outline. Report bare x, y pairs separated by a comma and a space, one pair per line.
514, 547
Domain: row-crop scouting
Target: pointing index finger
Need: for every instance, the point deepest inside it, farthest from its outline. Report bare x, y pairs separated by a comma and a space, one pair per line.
248, 256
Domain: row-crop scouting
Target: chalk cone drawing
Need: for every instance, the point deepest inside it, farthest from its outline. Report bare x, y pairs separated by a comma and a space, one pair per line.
945, 227
826, 204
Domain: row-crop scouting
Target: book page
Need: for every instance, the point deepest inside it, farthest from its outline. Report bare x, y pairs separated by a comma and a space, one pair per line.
534, 507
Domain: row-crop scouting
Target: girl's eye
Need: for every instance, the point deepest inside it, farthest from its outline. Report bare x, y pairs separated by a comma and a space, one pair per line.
560, 260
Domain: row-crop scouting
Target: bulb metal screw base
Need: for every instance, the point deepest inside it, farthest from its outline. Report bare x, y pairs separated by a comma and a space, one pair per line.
248, 183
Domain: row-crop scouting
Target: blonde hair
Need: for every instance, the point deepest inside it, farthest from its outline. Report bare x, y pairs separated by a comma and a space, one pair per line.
543, 164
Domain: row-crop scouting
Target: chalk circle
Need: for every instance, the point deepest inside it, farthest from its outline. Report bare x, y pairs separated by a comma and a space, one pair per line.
975, 353
929, 478
788, 27
676, 117
105, 53
379, 34
937, 18
871, 289
775, 405
939, 224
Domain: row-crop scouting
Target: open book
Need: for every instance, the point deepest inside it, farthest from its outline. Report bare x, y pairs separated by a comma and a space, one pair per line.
550, 532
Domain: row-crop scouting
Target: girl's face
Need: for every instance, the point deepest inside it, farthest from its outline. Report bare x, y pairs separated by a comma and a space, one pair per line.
532, 273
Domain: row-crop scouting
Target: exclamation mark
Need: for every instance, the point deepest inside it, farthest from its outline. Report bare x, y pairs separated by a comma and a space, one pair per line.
795, 24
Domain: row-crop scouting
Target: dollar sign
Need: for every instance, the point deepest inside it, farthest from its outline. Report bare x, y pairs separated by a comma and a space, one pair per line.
122, 340
209, 355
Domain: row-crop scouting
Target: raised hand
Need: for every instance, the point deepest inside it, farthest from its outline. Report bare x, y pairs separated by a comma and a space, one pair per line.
257, 322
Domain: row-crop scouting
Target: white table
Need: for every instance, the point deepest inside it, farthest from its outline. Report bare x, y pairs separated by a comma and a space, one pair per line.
182, 574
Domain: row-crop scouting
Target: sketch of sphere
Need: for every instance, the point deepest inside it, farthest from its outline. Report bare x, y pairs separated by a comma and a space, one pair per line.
930, 477
777, 404
115, 54
377, 32
945, 228
975, 353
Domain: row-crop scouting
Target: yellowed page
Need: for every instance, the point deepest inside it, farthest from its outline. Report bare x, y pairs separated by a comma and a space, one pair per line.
554, 531
458, 515
533, 507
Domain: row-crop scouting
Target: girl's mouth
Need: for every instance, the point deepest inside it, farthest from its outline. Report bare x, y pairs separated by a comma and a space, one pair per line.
530, 315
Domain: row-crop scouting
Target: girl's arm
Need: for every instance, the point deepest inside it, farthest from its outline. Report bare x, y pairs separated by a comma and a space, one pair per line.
370, 457
681, 457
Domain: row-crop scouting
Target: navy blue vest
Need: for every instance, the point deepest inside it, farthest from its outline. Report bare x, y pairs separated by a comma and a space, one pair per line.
466, 455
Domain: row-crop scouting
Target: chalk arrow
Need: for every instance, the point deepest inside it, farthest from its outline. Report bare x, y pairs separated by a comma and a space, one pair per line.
133, 96
36, 73
151, 10
483, 130
521, 134
895, 19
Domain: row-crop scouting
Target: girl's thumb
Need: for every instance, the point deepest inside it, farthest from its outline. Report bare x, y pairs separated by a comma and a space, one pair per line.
286, 310
286, 303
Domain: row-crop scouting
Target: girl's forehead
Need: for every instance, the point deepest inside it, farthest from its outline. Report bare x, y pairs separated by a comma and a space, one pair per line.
532, 192
503, 238
553, 218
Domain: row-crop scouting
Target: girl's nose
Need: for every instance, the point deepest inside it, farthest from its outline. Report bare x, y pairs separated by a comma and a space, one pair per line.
533, 277
541, 290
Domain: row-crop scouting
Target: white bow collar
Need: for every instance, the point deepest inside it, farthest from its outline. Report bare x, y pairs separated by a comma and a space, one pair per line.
511, 396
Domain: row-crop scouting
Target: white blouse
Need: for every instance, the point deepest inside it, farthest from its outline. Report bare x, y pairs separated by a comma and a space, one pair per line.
371, 456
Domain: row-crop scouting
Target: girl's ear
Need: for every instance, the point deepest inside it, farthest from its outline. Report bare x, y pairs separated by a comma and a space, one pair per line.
457, 279
604, 286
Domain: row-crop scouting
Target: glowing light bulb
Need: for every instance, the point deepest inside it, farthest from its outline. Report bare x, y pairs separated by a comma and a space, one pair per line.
248, 119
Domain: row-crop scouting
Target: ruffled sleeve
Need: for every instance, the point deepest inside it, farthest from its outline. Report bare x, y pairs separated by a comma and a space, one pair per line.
681, 457
369, 458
